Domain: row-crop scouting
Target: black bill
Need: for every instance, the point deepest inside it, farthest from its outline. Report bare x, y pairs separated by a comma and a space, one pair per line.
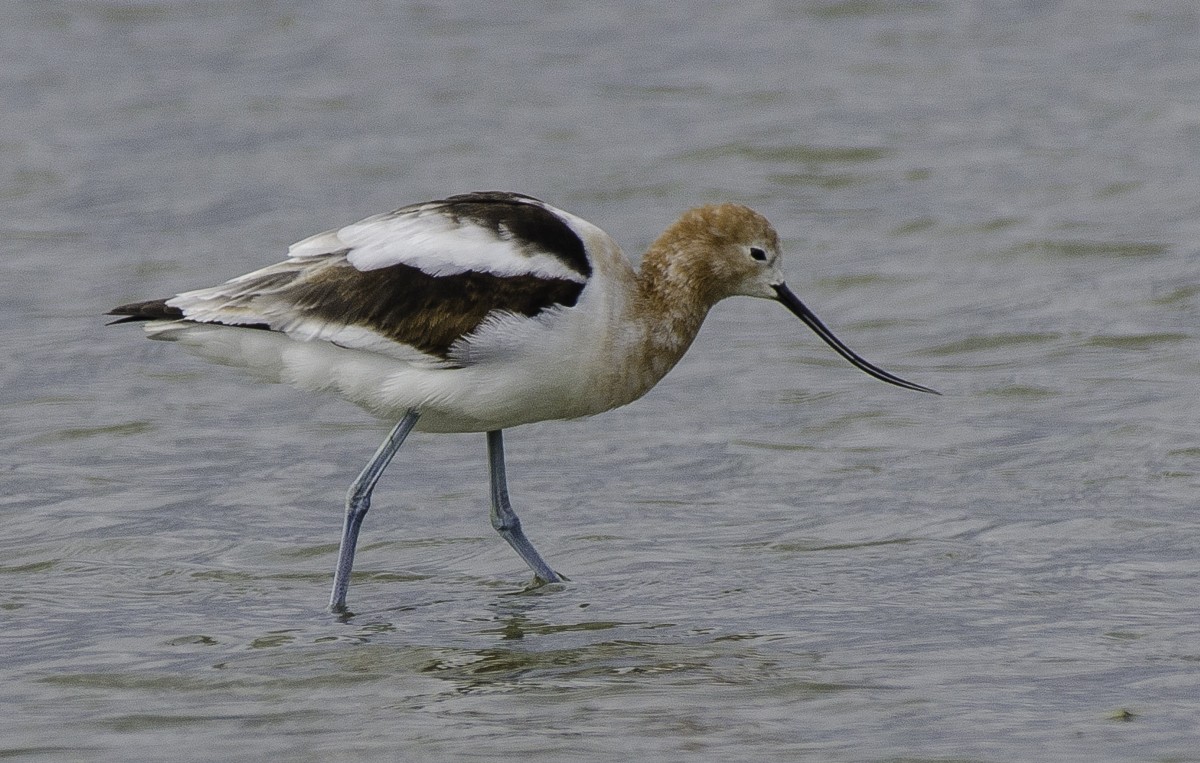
810, 319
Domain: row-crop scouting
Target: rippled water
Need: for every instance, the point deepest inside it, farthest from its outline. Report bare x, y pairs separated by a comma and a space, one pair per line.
772, 556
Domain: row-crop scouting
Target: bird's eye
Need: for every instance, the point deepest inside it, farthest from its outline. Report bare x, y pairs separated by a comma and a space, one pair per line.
758, 254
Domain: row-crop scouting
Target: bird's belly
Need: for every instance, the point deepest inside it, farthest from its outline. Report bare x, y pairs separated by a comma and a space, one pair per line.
559, 365
501, 395
498, 390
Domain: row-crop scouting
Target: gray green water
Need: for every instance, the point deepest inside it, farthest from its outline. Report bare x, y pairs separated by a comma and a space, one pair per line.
773, 557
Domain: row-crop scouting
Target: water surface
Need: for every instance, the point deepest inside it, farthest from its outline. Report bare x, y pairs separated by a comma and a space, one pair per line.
772, 556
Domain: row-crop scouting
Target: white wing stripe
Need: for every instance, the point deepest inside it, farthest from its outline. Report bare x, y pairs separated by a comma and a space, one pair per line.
435, 244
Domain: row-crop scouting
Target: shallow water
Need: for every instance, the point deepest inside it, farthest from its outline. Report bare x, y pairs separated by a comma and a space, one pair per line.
772, 556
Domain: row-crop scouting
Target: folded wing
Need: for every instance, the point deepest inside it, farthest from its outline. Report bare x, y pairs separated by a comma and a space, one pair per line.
416, 280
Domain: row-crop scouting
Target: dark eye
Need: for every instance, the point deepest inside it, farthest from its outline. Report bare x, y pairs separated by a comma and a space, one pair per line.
758, 254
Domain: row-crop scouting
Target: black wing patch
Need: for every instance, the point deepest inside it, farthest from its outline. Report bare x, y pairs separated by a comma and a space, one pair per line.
428, 312
512, 217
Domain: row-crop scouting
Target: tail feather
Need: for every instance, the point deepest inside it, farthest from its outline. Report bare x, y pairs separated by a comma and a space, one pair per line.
159, 310
150, 310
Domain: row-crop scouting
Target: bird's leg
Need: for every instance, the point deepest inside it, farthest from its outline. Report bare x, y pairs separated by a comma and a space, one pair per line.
358, 500
505, 520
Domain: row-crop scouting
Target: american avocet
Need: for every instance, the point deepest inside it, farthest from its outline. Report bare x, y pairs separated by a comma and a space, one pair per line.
477, 313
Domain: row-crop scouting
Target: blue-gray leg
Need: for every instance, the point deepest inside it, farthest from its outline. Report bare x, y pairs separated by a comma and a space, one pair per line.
357, 503
505, 520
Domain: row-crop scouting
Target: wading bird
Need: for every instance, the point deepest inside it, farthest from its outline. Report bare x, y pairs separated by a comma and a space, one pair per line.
477, 313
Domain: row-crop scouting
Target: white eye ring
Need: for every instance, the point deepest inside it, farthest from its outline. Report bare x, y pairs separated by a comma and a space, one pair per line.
758, 254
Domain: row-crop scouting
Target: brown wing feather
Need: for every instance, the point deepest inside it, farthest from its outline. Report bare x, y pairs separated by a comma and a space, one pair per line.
428, 312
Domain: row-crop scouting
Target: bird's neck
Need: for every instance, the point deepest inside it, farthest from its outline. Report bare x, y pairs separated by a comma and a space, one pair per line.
672, 303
